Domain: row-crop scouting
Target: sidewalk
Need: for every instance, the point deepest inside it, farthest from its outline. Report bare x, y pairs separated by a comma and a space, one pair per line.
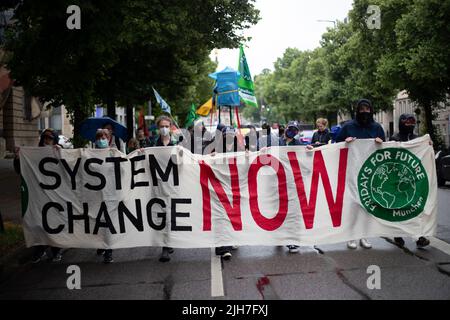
10, 206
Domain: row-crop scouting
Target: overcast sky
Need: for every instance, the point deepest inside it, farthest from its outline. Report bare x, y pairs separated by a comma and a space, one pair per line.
285, 24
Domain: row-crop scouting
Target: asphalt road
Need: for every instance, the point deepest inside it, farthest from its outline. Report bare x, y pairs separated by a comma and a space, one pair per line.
256, 273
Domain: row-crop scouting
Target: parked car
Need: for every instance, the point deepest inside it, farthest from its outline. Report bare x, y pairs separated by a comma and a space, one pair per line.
443, 167
305, 137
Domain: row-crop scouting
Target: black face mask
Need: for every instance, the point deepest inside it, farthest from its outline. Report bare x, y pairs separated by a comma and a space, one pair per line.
364, 118
291, 133
406, 129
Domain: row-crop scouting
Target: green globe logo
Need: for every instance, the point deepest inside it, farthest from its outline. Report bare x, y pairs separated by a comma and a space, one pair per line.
393, 185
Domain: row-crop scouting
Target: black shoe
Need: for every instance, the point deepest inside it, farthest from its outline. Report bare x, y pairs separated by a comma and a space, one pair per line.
399, 241
422, 242
107, 257
100, 252
165, 255
57, 254
38, 256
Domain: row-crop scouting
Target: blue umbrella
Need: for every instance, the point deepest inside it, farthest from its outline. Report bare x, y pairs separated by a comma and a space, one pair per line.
88, 128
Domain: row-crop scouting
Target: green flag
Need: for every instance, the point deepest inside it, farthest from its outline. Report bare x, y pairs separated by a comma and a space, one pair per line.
191, 117
245, 83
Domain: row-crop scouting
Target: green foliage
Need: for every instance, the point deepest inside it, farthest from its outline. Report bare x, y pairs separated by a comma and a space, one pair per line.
409, 52
124, 48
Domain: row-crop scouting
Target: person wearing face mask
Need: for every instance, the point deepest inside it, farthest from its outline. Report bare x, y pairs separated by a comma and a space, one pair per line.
113, 141
230, 144
276, 129
164, 139
288, 139
362, 127
48, 138
406, 125
102, 138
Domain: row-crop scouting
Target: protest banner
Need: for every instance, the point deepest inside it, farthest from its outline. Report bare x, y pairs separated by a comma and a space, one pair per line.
90, 198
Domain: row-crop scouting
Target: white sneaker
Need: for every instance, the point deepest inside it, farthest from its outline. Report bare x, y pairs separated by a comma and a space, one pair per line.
352, 244
365, 244
293, 249
226, 255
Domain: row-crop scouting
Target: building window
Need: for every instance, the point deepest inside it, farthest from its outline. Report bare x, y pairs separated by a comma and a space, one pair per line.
56, 119
26, 106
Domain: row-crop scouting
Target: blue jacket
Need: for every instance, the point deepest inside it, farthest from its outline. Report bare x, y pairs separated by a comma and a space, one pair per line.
354, 129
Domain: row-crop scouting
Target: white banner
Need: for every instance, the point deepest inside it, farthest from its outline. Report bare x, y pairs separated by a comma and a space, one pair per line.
89, 198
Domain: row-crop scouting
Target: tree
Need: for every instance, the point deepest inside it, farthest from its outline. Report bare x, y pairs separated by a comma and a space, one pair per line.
124, 48
412, 46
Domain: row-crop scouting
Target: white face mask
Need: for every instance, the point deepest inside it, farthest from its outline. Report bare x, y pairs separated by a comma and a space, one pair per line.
164, 131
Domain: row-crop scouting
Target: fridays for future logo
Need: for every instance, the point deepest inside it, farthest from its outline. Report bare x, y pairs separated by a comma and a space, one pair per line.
393, 185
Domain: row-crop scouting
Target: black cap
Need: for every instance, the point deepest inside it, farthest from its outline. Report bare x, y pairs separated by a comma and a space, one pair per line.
293, 124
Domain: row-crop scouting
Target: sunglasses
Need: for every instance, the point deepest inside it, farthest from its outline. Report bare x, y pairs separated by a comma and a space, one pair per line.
410, 121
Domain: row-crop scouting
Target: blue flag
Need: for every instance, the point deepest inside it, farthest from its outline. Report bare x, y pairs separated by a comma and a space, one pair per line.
164, 105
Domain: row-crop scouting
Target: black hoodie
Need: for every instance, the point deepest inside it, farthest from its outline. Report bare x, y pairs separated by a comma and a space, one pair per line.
404, 134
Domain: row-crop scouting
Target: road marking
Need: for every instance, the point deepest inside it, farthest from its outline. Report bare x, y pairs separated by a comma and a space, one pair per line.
216, 275
440, 245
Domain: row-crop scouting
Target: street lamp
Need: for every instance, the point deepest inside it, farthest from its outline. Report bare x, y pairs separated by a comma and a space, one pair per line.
332, 21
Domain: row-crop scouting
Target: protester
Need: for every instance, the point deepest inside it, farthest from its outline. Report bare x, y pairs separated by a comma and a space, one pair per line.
200, 138
406, 125
266, 138
288, 139
322, 136
251, 140
334, 132
49, 137
216, 144
114, 142
276, 129
164, 139
102, 141
230, 144
144, 142
132, 145
363, 127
